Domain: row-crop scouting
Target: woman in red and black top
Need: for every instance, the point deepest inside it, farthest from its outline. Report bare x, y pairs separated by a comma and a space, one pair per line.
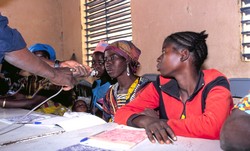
191, 102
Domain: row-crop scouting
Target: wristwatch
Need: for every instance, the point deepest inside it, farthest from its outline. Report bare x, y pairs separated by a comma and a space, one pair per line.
57, 64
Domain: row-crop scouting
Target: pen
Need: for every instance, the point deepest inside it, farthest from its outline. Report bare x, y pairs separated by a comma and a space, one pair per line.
37, 123
84, 139
171, 140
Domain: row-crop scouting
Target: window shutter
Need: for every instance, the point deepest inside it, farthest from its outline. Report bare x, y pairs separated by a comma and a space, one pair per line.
108, 20
245, 24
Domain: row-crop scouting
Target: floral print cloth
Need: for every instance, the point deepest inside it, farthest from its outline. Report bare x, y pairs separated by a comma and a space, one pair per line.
244, 104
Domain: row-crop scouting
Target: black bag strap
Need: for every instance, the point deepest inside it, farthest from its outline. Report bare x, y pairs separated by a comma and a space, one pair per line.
219, 81
162, 110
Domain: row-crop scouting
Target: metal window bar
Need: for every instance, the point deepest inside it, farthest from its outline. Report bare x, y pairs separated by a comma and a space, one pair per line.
245, 29
108, 20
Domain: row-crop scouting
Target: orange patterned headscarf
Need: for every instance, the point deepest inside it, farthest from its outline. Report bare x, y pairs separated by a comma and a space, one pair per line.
127, 50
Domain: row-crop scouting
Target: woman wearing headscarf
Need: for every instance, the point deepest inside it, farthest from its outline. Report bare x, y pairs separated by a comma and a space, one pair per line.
121, 62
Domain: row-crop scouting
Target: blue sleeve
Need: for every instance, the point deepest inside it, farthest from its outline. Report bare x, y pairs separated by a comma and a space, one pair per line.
10, 39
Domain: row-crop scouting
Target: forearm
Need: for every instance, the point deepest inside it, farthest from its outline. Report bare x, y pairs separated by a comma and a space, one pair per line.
77, 68
21, 103
49, 62
137, 120
27, 61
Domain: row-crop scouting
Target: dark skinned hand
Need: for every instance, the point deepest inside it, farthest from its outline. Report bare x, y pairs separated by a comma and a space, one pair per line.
156, 129
64, 77
150, 112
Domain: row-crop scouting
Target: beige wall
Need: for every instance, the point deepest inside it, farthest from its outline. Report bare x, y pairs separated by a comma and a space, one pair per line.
154, 20
71, 27
55, 22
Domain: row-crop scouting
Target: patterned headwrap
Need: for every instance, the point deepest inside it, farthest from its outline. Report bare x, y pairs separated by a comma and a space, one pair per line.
127, 50
44, 47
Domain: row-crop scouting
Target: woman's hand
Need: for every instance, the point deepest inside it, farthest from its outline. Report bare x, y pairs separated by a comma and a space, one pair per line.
150, 112
156, 129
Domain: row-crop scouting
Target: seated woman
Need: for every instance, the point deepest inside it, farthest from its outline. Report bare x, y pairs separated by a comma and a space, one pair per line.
192, 102
121, 62
103, 82
36, 89
235, 133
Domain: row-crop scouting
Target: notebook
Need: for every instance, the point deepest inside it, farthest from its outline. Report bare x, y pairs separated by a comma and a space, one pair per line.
119, 138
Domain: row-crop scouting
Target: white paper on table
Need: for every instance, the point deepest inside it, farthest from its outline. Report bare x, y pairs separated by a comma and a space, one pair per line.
73, 121
20, 119
82, 120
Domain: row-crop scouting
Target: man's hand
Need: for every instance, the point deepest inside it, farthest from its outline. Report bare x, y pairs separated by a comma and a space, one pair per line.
77, 68
64, 77
156, 129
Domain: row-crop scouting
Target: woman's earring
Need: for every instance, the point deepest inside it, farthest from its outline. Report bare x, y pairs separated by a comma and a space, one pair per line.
128, 71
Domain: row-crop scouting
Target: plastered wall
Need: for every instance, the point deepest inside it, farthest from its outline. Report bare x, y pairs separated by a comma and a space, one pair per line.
71, 27
55, 22
154, 20
58, 23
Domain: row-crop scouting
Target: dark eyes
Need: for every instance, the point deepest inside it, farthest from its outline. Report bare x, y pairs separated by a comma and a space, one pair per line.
99, 63
111, 58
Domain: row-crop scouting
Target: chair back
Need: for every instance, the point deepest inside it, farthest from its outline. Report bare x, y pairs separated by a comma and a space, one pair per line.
151, 76
239, 87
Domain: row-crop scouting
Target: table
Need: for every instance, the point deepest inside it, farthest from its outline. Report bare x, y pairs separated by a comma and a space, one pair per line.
17, 133
57, 141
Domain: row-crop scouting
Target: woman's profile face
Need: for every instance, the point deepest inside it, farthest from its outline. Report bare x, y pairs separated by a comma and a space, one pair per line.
168, 61
98, 63
115, 64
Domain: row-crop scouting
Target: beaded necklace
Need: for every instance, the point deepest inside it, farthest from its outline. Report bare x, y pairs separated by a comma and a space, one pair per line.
123, 99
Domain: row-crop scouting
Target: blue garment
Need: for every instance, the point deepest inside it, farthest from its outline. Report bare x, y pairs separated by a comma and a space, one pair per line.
99, 92
10, 39
44, 47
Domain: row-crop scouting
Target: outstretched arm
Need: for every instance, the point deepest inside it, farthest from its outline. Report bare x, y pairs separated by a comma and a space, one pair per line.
27, 61
10, 102
77, 68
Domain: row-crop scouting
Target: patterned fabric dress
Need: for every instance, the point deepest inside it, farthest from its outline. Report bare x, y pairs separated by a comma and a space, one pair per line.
244, 104
114, 101
58, 105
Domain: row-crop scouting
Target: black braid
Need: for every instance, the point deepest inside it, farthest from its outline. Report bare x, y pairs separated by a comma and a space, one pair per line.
194, 42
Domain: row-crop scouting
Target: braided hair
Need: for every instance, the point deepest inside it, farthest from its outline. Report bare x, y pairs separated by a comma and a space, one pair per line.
194, 42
